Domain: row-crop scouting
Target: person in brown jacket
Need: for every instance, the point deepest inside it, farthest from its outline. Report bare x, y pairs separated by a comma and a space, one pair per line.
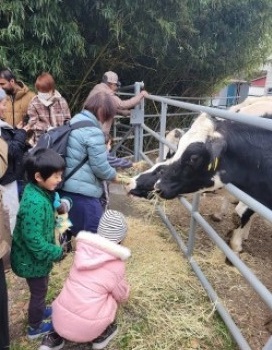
110, 85
19, 96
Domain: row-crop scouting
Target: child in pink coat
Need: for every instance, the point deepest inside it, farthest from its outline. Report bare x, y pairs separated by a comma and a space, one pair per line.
86, 307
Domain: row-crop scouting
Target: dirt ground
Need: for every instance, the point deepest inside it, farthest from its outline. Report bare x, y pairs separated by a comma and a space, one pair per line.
248, 311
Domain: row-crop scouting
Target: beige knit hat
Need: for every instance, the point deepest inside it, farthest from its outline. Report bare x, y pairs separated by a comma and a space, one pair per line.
113, 226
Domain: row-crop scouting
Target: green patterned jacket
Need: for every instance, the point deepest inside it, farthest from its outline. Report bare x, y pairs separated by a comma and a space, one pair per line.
33, 249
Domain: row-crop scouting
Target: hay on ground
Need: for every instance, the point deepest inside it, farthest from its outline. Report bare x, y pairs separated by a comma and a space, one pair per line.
167, 308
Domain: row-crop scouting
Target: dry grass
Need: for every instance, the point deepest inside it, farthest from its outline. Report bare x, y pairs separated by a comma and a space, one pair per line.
167, 309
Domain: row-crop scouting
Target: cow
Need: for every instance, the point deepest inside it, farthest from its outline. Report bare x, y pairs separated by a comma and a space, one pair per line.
255, 106
213, 153
173, 137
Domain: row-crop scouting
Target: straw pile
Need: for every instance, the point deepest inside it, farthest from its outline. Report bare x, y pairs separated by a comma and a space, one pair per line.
167, 309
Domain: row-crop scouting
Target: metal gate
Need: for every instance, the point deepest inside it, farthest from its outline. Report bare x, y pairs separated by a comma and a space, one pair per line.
137, 123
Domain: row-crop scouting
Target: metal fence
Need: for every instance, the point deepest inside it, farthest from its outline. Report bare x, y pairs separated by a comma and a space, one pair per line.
138, 125
123, 128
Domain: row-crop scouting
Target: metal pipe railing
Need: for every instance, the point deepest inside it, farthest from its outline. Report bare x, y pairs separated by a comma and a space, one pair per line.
196, 217
234, 330
238, 117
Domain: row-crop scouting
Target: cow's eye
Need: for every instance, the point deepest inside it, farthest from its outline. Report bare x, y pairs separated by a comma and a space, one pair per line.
193, 159
160, 171
194, 162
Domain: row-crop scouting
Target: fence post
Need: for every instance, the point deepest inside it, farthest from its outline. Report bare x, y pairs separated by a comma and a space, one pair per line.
193, 223
136, 119
162, 129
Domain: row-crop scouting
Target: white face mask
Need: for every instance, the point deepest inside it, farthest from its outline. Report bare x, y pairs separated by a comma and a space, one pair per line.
44, 95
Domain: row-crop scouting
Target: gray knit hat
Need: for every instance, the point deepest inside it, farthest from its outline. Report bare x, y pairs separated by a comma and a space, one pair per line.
3, 94
113, 226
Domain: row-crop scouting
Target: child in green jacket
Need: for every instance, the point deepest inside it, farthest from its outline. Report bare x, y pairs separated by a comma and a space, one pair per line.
33, 248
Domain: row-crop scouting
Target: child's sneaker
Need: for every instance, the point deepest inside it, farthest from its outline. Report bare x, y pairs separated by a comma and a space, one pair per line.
103, 340
47, 312
52, 341
45, 327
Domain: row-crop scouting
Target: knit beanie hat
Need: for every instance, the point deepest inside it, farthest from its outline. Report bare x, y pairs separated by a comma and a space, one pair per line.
113, 226
3, 94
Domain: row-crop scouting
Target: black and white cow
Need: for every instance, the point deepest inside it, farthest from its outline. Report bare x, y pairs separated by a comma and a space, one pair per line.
173, 136
210, 154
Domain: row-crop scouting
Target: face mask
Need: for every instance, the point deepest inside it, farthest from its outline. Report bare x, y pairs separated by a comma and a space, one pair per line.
44, 95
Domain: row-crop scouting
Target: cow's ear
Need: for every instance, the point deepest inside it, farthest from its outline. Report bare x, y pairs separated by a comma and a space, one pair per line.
216, 147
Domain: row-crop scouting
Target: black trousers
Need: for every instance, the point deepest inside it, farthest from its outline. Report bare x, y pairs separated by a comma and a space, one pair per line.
4, 322
38, 290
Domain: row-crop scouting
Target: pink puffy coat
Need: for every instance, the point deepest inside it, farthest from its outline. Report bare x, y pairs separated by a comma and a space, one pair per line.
96, 285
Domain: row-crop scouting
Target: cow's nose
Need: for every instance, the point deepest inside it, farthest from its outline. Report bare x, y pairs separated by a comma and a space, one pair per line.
150, 195
131, 185
156, 186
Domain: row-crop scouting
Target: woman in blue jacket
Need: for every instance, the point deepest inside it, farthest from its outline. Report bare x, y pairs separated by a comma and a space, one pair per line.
85, 187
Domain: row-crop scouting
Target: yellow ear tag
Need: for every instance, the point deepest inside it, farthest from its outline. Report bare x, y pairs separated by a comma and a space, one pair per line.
215, 163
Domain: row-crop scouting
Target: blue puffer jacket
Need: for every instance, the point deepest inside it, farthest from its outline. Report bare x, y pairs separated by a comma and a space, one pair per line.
91, 141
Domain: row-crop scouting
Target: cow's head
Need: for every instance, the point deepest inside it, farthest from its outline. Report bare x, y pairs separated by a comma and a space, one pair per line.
193, 168
142, 185
195, 164
194, 171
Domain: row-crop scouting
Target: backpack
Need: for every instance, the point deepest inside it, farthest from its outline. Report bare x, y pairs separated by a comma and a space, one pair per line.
57, 140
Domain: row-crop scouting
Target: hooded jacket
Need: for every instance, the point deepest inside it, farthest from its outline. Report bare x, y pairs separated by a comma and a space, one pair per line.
88, 302
89, 141
17, 104
33, 248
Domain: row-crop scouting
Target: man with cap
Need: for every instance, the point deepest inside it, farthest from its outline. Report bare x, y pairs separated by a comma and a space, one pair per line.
96, 285
18, 97
110, 85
